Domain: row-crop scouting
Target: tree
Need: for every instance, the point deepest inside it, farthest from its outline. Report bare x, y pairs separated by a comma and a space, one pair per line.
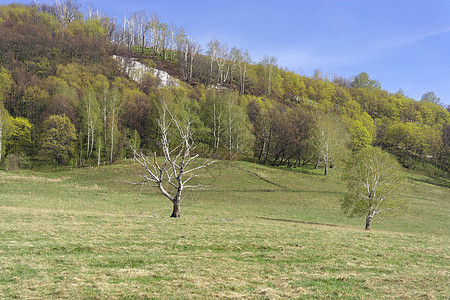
142, 28
330, 140
362, 80
66, 11
115, 104
58, 138
404, 139
269, 64
136, 115
19, 140
4, 126
243, 59
5, 87
172, 176
213, 50
430, 97
281, 134
373, 180
91, 123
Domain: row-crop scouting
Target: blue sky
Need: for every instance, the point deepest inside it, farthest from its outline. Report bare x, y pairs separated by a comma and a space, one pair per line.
402, 43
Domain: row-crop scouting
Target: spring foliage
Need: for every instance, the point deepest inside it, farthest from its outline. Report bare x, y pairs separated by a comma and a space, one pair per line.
56, 61
58, 139
374, 181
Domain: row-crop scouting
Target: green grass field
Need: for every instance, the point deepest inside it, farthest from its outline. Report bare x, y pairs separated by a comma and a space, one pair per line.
254, 232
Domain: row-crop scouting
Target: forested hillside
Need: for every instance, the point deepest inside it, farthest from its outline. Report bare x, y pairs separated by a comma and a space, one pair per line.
66, 100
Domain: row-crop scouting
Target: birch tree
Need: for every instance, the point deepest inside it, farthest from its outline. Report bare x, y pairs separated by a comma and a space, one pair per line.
154, 25
187, 54
173, 175
269, 64
330, 140
213, 53
242, 59
237, 136
90, 117
222, 60
115, 103
374, 182
213, 113
141, 28
66, 11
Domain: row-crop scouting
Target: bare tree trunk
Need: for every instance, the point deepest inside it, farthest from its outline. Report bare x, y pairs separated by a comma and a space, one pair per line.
98, 151
368, 219
176, 209
112, 139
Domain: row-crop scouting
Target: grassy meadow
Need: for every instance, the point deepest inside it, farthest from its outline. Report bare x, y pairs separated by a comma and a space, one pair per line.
254, 232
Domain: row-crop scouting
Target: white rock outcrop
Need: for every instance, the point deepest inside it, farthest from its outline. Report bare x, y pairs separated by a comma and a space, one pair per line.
136, 71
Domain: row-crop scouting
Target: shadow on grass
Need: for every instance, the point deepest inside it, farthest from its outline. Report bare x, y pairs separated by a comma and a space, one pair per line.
433, 181
304, 170
256, 190
301, 222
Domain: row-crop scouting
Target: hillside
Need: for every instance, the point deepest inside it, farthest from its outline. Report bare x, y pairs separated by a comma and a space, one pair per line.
83, 233
55, 65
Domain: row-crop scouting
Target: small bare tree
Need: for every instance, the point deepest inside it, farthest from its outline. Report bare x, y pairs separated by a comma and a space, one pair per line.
171, 176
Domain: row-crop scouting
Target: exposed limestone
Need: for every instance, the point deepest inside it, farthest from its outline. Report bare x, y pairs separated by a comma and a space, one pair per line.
136, 71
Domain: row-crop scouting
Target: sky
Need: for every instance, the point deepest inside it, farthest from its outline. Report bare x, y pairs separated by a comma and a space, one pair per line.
404, 44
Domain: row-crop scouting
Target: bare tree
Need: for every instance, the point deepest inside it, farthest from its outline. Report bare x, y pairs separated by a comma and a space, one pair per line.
142, 28
243, 60
269, 64
128, 32
222, 59
154, 26
172, 176
213, 53
66, 11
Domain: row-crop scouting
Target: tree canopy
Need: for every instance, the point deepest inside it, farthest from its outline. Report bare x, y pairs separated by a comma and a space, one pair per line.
373, 181
58, 139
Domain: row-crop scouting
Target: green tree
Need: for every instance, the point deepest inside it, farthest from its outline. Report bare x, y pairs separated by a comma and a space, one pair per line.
5, 83
430, 97
58, 139
373, 179
405, 139
5, 88
5, 120
362, 80
19, 140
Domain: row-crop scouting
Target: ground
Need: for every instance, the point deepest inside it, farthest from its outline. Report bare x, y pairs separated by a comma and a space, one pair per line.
254, 232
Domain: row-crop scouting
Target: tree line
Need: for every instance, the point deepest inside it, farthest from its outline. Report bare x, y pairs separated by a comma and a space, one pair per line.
56, 61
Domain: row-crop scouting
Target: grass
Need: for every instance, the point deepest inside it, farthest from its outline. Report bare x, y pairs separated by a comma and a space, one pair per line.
255, 232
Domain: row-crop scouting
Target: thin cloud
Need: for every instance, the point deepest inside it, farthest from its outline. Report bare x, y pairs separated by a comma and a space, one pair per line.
413, 39
306, 58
